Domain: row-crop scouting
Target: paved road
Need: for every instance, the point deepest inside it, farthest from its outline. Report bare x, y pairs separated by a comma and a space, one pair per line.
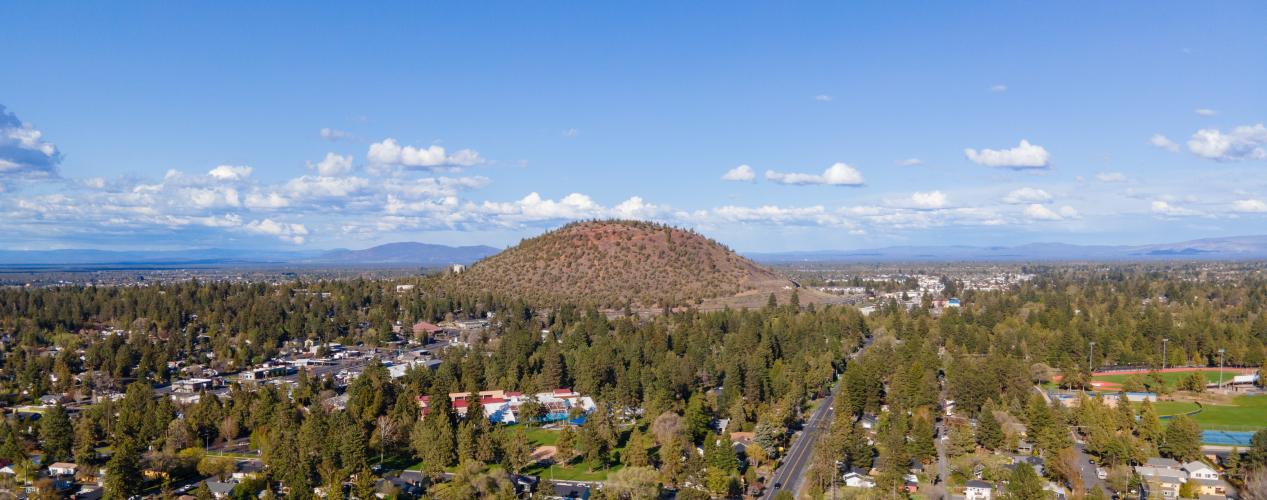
938, 490
1085, 468
791, 473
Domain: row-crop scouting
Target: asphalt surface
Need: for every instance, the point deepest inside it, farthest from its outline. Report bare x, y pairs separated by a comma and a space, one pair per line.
791, 473
1086, 468
938, 490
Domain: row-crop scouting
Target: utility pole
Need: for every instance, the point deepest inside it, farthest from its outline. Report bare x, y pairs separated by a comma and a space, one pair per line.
1090, 365
1221, 351
1163, 353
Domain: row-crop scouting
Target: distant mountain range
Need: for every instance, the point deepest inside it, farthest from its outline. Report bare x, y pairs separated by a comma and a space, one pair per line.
1230, 248
406, 254
428, 255
389, 255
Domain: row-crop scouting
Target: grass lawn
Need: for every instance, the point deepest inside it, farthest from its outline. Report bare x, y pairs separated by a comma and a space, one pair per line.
1171, 379
542, 437
1168, 408
577, 471
1247, 413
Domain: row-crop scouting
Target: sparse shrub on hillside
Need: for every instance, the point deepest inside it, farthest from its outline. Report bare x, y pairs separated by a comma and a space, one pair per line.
614, 263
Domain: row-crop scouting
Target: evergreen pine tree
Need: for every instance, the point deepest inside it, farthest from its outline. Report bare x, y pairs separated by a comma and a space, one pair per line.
122, 470
56, 434
989, 431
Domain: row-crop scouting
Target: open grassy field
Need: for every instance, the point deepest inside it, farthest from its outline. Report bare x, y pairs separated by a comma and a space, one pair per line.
1170, 378
1174, 408
577, 470
1247, 413
1243, 413
542, 437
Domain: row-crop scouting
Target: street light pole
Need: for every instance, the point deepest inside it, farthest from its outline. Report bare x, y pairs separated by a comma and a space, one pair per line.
1221, 351
1090, 365
1163, 352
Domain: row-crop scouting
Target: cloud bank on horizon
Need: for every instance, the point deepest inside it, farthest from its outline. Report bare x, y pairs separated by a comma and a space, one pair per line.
461, 154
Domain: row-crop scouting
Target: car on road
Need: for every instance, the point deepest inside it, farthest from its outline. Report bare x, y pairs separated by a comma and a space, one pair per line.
1101, 473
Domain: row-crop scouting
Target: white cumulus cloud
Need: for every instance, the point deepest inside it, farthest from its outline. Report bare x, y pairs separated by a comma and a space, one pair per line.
230, 172
1026, 195
1024, 155
910, 162
293, 233
1163, 142
1205, 111
1246, 142
333, 165
1036, 211
635, 208
1250, 206
839, 174
325, 187
534, 208
265, 201
390, 152
823, 98
742, 173
1162, 207
24, 153
929, 200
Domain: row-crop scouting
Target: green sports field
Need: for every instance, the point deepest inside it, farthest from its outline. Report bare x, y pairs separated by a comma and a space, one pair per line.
1171, 379
1246, 413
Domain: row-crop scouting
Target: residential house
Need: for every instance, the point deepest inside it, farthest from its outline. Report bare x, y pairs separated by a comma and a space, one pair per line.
221, 489
1161, 481
428, 329
1168, 463
858, 479
978, 490
910, 483
191, 385
62, 469
1213, 488
248, 469
742, 440
569, 490
1199, 470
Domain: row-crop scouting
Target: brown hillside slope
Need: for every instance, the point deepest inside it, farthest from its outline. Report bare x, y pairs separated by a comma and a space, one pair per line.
611, 263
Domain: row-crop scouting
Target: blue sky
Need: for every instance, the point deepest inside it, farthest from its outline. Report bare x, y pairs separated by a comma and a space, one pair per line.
172, 125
